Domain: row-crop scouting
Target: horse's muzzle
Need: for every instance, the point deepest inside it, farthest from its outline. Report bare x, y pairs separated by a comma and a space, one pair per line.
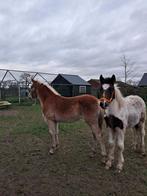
104, 105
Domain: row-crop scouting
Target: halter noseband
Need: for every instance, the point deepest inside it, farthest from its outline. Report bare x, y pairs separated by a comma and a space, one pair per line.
107, 100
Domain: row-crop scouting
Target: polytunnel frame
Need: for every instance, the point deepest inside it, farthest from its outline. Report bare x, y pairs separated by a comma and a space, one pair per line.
33, 73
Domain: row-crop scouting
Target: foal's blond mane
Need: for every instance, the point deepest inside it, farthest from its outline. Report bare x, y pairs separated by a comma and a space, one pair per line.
118, 96
52, 89
49, 87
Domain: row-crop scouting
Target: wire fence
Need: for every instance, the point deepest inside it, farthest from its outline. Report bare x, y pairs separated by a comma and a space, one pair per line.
15, 84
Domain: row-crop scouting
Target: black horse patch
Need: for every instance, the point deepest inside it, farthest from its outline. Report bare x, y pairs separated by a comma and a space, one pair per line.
113, 122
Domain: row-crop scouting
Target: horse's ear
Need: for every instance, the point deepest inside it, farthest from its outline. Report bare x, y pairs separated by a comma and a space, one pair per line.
101, 79
113, 79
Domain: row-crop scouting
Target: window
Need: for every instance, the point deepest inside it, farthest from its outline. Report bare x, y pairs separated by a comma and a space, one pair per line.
82, 89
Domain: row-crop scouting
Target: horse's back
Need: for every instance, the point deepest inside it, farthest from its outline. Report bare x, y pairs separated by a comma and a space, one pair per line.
81, 97
136, 109
85, 100
135, 101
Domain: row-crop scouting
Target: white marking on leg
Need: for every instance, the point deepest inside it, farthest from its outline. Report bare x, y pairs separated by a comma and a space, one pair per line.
120, 145
111, 142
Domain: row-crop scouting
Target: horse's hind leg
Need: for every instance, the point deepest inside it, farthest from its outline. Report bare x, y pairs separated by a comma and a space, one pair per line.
142, 135
135, 135
52, 131
56, 135
98, 137
140, 130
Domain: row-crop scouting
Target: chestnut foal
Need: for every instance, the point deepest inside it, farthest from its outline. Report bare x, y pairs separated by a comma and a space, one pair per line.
56, 108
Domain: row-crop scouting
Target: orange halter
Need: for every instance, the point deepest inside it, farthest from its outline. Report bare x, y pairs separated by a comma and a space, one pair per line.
107, 100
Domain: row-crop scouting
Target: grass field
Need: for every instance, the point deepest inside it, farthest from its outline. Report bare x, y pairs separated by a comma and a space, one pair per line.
27, 169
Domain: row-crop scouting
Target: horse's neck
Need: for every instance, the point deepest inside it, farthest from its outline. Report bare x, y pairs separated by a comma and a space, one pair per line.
43, 93
118, 103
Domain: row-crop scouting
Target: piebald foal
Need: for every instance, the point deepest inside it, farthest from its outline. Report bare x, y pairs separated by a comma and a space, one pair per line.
56, 108
121, 113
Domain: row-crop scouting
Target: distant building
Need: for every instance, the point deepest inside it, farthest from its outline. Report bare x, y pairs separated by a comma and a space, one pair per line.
95, 87
143, 81
71, 85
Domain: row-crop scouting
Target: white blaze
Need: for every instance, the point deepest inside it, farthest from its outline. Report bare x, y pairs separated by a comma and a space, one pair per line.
105, 86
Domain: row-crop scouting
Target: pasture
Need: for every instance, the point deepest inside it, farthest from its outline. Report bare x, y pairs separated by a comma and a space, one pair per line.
27, 169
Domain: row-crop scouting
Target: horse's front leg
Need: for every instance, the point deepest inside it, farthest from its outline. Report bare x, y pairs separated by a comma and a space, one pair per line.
57, 135
52, 131
102, 146
111, 141
120, 146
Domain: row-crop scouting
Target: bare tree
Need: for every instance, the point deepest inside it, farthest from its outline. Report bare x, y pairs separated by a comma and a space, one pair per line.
25, 79
128, 67
9, 83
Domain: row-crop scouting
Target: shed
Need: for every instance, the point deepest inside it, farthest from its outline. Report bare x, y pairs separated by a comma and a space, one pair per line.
71, 85
95, 87
143, 81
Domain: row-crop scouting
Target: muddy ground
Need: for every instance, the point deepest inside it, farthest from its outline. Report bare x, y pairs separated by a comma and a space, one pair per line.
27, 169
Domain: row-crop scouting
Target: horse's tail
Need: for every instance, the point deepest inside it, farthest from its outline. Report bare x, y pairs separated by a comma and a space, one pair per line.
143, 114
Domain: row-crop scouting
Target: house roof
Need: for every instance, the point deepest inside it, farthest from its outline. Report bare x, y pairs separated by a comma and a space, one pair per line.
95, 83
73, 79
143, 81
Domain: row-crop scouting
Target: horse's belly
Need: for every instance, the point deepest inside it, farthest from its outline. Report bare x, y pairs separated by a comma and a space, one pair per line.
133, 119
67, 118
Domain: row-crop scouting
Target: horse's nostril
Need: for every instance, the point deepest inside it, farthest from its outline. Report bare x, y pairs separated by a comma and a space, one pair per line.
106, 104
102, 104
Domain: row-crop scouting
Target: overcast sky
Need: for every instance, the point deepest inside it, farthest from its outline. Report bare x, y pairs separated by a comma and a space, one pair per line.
84, 37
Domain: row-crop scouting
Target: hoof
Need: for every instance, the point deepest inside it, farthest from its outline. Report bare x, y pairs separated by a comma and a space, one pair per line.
119, 168
51, 152
107, 167
103, 160
118, 171
143, 154
92, 155
108, 164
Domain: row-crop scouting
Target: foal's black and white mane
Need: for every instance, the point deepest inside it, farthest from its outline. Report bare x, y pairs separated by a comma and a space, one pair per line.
121, 113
